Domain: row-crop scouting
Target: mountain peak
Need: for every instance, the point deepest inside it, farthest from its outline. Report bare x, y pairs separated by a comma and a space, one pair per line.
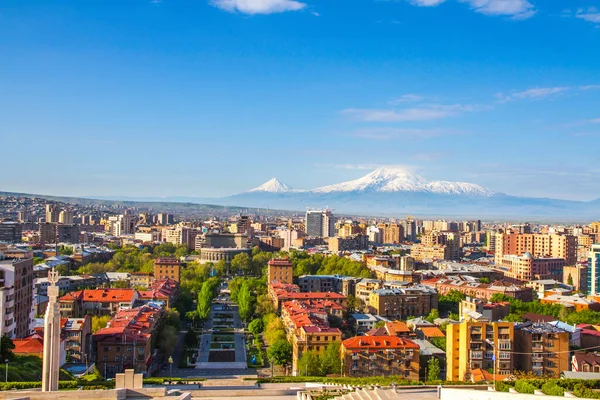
398, 179
273, 185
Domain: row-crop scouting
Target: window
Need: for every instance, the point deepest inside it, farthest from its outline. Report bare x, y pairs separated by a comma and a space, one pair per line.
117, 359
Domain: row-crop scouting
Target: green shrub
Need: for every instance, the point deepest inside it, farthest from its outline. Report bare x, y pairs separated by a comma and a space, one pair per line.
502, 386
552, 389
525, 387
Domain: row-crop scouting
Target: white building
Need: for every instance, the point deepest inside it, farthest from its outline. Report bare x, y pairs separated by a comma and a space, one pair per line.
320, 223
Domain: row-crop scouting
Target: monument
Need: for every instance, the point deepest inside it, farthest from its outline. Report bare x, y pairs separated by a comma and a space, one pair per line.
50, 370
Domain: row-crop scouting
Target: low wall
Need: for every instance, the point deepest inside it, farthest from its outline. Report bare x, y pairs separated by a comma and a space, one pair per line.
466, 394
114, 394
243, 392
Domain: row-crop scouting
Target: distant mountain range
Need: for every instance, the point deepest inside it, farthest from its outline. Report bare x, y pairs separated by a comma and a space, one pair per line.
397, 192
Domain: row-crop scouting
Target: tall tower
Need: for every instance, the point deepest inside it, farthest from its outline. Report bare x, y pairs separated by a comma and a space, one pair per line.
51, 359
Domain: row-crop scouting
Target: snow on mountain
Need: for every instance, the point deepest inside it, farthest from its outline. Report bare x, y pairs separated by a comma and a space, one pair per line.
400, 180
273, 186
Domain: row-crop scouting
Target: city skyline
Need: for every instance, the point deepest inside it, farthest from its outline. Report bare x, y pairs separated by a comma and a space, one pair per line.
209, 99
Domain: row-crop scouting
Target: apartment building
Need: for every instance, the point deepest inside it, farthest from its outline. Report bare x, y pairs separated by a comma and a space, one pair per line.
280, 270
126, 342
422, 252
280, 293
16, 285
167, 268
539, 245
307, 326
474, 288
399, 303
348, 243
526, 267
474, 345
541, 349
391, 233
77, 334
380, 356
96, 302
576, 276
11, 232
345, 285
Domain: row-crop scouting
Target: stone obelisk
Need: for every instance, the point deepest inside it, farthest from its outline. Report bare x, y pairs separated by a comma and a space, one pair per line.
51, 337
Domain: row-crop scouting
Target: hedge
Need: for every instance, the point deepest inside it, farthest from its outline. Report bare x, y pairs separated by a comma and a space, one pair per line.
552, 389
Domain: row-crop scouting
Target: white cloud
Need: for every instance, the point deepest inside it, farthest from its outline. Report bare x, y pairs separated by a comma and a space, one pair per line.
427, 3
534, 93
517, 9
589, 87
421, 113
258, 6
591, 14
407, 98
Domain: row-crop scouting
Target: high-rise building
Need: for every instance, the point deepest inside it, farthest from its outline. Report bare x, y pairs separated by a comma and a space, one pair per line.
68, 233
391, 233
593, 273
164, 219
479, 345
539, 245
410, 230
52, 213
17, 294
123, 224
47, 232
65, 217
10, 232
320, 223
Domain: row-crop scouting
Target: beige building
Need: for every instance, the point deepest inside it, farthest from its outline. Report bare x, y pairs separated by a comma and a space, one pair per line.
391, 233
539, 245
167, 268
577, 276
400, 303
527, 268
280, 270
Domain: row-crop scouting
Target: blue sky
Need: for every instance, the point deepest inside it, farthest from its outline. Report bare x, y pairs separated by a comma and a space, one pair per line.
209, 98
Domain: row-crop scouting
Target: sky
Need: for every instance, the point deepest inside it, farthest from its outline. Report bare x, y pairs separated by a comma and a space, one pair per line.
209, 98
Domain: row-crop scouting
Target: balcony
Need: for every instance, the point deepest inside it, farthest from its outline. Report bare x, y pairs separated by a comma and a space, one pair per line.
355, 368
476, 355
537, 348
373, 357
537, 358
356, 357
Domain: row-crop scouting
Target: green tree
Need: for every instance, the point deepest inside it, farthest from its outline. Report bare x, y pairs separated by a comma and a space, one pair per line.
6, 348
246, 302
310, 364
206, 296
37, 260
570, 279
379, 324
172, 318
264, 305
450, 302
99, 322
121, 284
331, 360
433, 369
280, 353
221, 268
433, 315
241, 263
256, 326
484, 280
167, 339
439, 342
192, 316
273, 329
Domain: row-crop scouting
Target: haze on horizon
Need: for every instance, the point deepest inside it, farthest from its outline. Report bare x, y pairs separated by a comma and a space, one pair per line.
212, 98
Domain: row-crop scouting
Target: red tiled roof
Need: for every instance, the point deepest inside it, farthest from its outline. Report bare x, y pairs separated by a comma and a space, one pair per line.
33, 344
101, 295
378, 342
431, 332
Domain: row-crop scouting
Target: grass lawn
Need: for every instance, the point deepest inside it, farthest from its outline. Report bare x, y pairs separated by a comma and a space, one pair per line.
222, 338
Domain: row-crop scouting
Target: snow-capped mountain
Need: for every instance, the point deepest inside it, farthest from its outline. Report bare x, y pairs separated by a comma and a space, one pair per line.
273, 185
400, 180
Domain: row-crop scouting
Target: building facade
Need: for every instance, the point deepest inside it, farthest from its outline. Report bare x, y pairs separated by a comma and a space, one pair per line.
475, 345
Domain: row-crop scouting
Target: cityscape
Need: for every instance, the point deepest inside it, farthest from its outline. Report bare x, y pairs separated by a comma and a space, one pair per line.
299, 200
